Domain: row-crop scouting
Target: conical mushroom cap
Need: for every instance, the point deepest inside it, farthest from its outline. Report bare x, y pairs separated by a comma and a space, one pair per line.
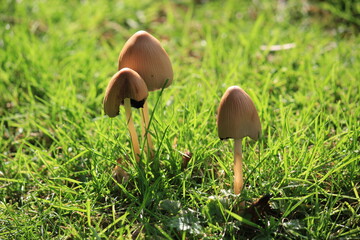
144, 54
237, 115
126, 83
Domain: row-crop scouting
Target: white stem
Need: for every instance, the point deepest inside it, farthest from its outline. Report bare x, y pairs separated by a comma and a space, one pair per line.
131, 127
146, 121
238, 168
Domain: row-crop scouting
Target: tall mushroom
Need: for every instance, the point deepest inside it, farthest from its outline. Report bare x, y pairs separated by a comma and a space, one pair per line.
237, 118
144, 54
126, 88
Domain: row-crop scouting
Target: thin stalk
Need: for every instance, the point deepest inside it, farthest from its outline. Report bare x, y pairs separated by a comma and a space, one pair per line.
131, 127
146, 121
238, 168
143, 130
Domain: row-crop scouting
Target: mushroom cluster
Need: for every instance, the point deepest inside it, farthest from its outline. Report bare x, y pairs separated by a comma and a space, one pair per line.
143, 66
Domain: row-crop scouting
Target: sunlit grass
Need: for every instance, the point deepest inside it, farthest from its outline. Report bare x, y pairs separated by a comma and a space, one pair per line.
58, 149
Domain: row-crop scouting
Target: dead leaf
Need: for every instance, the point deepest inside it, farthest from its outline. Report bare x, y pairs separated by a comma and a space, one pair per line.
186, 157
259, 209
119, 174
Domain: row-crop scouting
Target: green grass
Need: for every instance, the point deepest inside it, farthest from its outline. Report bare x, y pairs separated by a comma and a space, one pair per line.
58, 149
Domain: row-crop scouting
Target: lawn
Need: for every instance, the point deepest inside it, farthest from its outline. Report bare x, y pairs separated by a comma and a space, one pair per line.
58, 149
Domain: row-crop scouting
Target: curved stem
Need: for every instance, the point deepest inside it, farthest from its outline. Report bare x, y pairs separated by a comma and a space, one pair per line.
238, 168
131, 127
146, 121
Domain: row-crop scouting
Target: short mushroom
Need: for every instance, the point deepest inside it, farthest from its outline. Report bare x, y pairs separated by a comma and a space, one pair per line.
144, 54
237, 118
126, 88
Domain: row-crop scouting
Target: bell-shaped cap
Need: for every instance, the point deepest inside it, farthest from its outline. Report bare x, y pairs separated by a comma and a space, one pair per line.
126, 83
144, 54
237, 115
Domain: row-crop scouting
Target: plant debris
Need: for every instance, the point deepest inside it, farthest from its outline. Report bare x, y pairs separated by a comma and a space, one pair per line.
276, 48
260, 209
186, 157
119, 174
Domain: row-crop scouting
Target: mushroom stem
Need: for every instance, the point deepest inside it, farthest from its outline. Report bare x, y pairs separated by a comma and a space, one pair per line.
131, 127
238, 171
146, 121
143, 130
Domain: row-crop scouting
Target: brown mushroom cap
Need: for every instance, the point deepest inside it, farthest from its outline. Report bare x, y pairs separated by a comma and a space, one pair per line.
237, 115
144, 54
126, 83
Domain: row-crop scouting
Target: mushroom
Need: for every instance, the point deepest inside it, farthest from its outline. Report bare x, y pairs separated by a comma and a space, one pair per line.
144, 54
237, 118
126, 88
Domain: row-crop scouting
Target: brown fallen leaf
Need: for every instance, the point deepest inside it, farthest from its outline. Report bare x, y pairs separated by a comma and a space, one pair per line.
186, 157
259, 209
119, 174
